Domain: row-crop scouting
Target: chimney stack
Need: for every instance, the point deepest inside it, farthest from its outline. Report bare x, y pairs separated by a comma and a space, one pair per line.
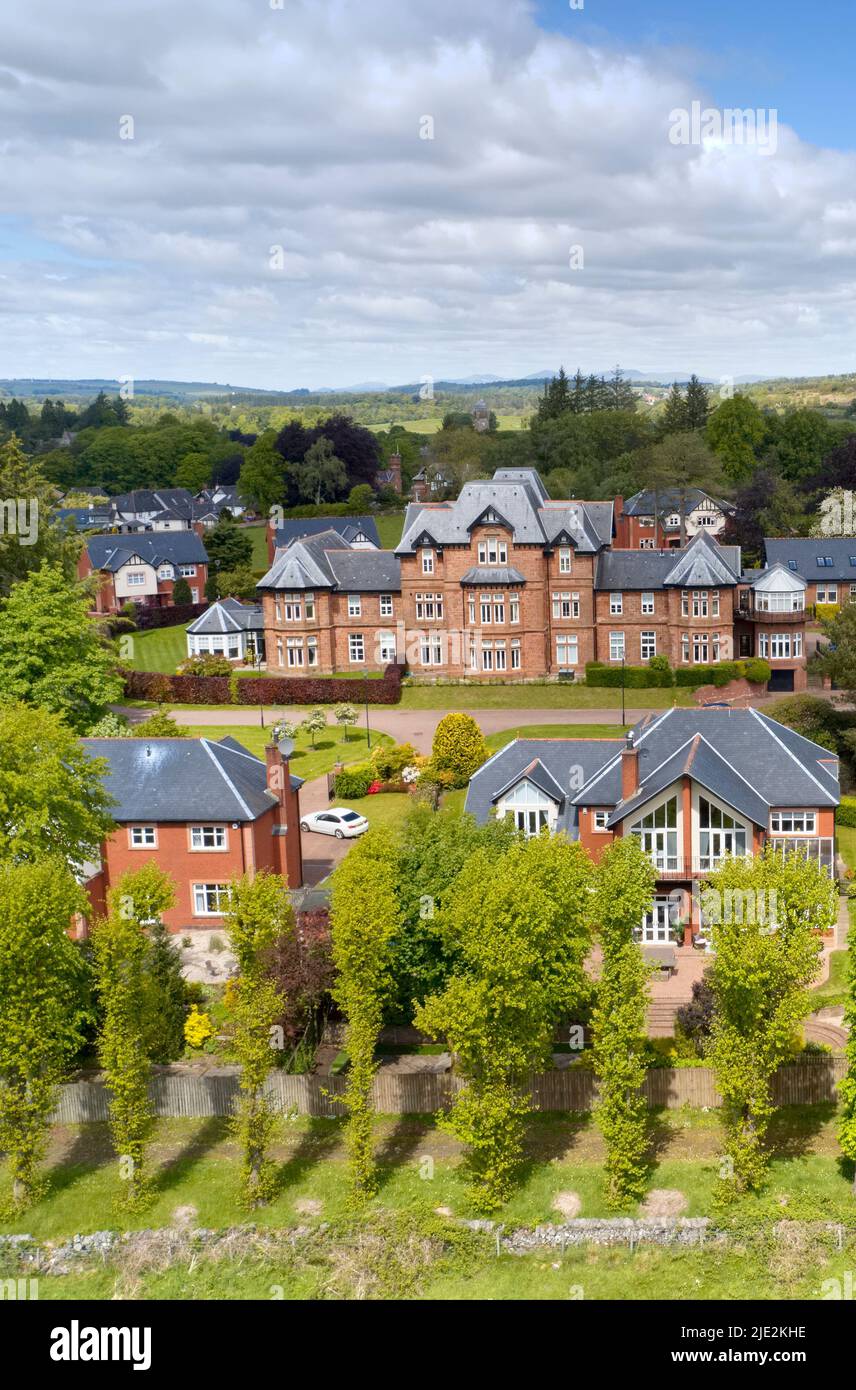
629, 768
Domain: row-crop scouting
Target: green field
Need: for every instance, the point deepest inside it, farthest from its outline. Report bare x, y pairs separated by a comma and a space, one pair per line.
430, 424
193, 1166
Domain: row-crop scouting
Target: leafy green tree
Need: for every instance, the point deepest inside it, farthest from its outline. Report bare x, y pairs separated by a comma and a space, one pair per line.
30, 536
322, 473
259, 921
193, 472
345, 716
52, 654
736, 431
765, 915
41, 993
53, 804
847, 1087
158, 725
364, 922
181, 592
681, 461
229, 546
262, 482
361, 499
624, 889
314, 723
520, 926
458, 748
121, 954
434, 847
163, 985
238, 583
697, 404
836, 658
674, 417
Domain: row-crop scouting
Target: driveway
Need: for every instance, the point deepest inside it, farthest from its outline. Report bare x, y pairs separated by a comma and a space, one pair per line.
321, 853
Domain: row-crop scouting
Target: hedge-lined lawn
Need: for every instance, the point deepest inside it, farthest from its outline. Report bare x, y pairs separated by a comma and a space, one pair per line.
547, 696
159, 650
834, 990
306, 762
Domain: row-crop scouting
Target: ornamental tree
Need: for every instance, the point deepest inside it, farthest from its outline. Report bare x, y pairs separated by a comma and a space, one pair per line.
314, 723
364, 919
458, 747
52, 798
520, 925
624, 888
53, 655
765, 915
259, 919
345, 715
42, 992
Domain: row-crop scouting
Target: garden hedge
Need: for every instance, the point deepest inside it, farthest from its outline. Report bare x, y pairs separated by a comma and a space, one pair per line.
846, 813
263, 690
647, 677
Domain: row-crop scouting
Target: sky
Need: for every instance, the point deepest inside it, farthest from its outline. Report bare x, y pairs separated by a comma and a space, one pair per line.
309, 193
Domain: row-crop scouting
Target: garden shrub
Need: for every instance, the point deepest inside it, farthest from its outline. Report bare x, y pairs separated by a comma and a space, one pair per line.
458, 747
354, 782
846, 814
205, 664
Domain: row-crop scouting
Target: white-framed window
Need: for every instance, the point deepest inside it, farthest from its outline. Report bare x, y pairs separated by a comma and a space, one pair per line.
714, 603
499, 608
187, 571
166, 572
701, 649
514, 608
647, 604
487, 656
386, 605
793, 822
646, 521
780, 646
720, 834
699, 603
567, 649
500, 655
827, 593
142, 837
277, 609
646, 543
658, 834
312, 651
780, 602
529, 807
309, 602
294, 651
430, 649
616, 605
656, 928
233, 646
355, 607
210, 899
356, 647
471, 609
566, 606
293, 607
685, 647
647, 645
599, 819
616, 646
135, 578
565, 559
485, 609
279, 651
427, 561
493, 551
208, 837
515, 654
386, 647
430, 607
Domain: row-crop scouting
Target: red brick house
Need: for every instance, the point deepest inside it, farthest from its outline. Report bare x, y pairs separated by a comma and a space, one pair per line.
206, 811
652, 521
144, 568
695, 785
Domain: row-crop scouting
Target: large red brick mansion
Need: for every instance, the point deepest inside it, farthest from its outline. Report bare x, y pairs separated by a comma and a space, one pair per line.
504, 584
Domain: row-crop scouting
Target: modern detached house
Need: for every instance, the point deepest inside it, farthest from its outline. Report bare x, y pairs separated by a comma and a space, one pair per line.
144, 568
652, 521
205, 811
693, 785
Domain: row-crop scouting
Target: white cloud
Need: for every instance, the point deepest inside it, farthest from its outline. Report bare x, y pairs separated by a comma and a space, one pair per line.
402, 257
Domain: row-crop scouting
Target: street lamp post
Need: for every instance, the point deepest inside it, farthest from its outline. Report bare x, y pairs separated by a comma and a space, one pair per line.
622, 688
256, 663
366, 689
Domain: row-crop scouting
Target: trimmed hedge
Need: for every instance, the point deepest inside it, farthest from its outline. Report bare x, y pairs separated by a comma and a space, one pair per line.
846, 813
149, 617
263, 690
648, 677
354, 782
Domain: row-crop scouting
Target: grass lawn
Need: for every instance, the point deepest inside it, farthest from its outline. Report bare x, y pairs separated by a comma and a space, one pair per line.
389, 529
194, 1163
499, 740
834, 990
384, 809
306, 762
846, 837
159, 650
258, 536
548, 696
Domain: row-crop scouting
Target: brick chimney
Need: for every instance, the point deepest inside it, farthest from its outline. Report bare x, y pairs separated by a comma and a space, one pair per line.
629, 768
395, 470
288, 852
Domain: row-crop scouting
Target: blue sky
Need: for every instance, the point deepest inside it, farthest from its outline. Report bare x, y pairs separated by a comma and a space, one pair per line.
788, 54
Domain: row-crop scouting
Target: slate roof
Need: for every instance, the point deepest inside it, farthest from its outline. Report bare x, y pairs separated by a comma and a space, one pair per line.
703, 564
804, 555
328, 561
741, 756
153, 547
347, 526
229, 615
498, 574
158, 780
142, 500
85, 518
518, 499
669, 500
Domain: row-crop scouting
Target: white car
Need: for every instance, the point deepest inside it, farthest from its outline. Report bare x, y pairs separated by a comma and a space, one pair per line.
338, 821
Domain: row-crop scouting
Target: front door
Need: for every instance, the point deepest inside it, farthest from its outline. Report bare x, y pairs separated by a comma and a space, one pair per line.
656, 925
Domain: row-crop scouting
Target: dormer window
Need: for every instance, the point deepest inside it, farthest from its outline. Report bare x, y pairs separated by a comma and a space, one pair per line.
565, 559
493, 551
427, 561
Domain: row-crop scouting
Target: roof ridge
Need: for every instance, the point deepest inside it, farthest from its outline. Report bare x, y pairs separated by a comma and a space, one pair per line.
226, 778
